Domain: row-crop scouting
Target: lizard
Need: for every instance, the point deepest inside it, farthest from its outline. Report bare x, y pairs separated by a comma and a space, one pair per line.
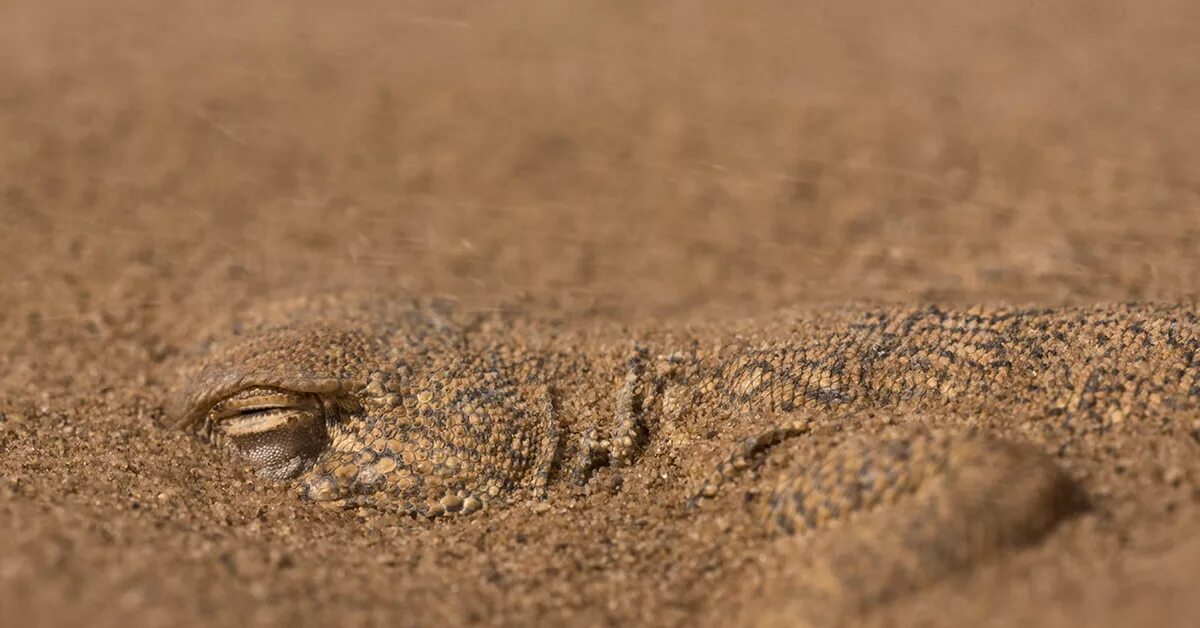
416, 406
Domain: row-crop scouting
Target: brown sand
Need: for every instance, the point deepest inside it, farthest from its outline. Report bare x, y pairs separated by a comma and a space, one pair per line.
603, 160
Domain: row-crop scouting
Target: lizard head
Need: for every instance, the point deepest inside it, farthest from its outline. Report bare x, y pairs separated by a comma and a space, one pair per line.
277, 396
397, 419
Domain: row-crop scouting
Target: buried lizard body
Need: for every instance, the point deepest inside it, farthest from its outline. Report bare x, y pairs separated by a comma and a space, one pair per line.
413, 406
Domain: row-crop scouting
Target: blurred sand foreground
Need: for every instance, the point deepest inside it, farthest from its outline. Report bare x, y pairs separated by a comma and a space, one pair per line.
162, 163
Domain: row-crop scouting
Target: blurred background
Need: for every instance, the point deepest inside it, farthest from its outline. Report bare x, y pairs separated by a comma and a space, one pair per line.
623, 158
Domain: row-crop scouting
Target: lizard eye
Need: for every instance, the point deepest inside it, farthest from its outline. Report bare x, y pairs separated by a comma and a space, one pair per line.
277, 431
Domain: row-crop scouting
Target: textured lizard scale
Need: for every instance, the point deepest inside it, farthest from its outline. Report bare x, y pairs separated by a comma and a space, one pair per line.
428, 410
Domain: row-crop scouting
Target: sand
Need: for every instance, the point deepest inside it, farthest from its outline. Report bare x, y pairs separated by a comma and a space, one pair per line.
164, 164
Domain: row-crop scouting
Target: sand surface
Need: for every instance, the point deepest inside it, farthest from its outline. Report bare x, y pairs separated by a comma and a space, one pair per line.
162, 164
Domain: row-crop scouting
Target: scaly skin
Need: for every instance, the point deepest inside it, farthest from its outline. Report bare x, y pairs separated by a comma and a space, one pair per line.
412, 406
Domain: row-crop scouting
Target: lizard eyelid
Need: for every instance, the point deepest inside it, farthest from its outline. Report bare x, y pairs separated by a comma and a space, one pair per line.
277, 431
260, 399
